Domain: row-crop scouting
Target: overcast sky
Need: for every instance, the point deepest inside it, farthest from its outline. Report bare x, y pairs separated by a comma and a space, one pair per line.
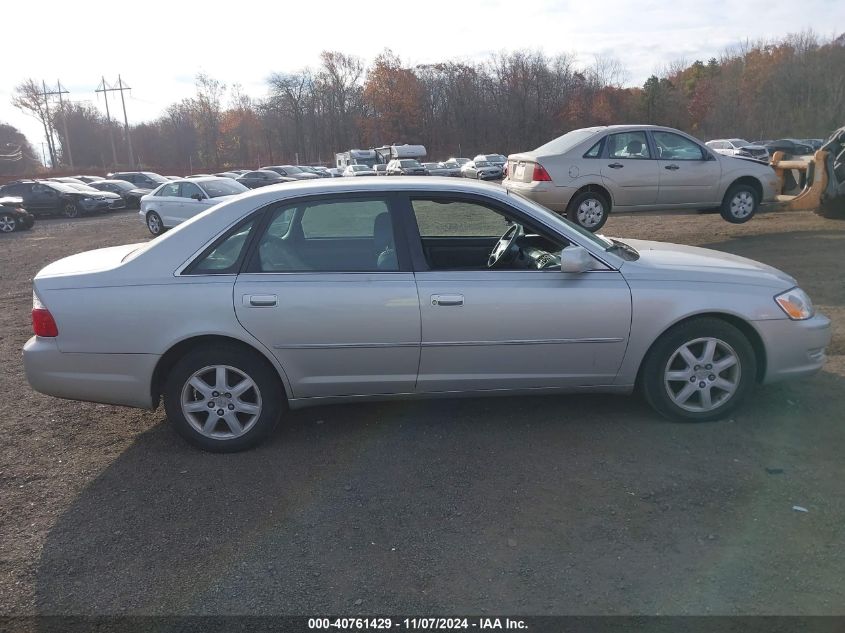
158, 47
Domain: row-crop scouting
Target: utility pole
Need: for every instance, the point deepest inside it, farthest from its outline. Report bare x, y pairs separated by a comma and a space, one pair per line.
126, 121
105, 90
66, 142
49, 127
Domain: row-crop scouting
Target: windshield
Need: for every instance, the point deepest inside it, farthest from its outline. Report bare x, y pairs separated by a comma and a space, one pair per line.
598, 240
223, 187
739, 141
359, 168
84, 188
155, 177
482, 163
118, 184
291, 169
409, 163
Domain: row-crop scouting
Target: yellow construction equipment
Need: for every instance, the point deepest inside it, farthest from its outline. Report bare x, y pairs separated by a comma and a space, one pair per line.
820, 182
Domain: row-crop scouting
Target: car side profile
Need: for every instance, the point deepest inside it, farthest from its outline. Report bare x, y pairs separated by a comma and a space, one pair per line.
178, 200
45, 197
586, 173
738, 147
354, 289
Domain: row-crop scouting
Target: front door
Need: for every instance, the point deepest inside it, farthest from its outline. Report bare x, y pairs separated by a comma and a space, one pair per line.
486, 329
628, 170
325, 290
688, 175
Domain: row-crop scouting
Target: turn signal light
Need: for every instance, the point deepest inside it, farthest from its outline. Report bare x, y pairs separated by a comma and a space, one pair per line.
796, 304
43, 323
540, 174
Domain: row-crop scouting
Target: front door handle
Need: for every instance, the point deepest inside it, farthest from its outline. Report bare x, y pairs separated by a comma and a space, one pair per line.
672, 167
616, 165
260, 301
447, 300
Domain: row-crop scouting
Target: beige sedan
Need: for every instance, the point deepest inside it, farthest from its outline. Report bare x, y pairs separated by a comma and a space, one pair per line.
586, 173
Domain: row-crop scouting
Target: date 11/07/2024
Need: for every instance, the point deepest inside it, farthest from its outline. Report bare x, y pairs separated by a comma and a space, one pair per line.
419, 623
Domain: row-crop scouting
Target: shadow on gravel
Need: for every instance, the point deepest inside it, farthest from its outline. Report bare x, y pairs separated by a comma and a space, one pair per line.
520, 505
789, 252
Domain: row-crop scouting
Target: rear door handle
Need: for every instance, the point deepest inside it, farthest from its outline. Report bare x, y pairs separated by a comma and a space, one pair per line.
447, 300
672, 167
260, 301
616, 165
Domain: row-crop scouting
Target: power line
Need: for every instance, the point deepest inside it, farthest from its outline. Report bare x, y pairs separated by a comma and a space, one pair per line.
121, 87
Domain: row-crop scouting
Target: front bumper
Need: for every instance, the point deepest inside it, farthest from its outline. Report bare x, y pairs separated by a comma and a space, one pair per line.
122, 379
92, 206
794, 349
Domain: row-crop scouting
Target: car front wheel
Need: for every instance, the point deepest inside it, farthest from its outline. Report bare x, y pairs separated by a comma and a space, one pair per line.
8, 223
154, 223
224, 399
699, 370
740, 204
589, 210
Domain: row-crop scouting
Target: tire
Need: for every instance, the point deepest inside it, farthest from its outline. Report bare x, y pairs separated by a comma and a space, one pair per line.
8, 223
70, 210
206, 427
154, 223
740, 204
589, 210
666, 376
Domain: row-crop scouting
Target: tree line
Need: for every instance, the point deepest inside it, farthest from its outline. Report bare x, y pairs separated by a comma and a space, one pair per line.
509, 102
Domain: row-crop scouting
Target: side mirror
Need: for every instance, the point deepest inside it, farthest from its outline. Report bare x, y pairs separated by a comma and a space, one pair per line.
575, 259
198, 197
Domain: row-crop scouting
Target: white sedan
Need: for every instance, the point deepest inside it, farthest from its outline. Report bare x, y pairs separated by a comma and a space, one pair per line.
359, 170
179, 200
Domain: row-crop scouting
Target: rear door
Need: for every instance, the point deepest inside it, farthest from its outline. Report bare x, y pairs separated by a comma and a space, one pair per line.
167, 204
193, 200
689, 175
329, 290
629, 170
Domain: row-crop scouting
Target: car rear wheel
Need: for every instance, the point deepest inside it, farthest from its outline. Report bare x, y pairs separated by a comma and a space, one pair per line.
154, 223
740, 204
70, 210
589, 210
8, 223
223, 400
698, 371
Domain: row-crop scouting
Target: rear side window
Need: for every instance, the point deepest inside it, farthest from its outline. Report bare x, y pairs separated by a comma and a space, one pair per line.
171, 190
224, 257
628, 145
347, 218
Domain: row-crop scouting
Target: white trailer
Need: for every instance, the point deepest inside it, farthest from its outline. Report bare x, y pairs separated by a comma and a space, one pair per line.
367, 157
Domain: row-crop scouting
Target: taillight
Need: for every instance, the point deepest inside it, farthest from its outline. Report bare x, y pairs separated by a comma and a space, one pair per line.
540, 174
43, 323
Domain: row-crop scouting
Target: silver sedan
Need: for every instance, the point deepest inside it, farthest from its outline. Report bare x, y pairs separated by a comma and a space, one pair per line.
586, 173
341, 290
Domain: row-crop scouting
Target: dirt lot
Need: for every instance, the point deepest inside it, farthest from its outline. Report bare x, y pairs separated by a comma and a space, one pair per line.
525, 505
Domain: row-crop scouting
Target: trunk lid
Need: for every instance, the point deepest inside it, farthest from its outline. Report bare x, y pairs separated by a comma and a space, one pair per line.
521, 167
87, 262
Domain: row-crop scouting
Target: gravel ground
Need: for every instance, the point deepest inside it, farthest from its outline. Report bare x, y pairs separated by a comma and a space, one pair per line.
543, 505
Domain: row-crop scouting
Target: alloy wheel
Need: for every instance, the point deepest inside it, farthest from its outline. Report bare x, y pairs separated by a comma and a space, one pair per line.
7, 223
221, 402
702, 374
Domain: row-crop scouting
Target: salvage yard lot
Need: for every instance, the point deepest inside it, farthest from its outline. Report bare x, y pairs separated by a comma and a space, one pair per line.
542, 505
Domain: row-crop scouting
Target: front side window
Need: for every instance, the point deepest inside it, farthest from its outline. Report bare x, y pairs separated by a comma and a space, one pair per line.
676, 147
190, 190
628, 145
328, 236
225, 257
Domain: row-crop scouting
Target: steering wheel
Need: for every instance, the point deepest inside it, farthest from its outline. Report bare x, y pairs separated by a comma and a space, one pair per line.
506, 249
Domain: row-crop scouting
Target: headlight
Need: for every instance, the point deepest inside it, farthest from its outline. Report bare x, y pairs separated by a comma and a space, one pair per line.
796, 304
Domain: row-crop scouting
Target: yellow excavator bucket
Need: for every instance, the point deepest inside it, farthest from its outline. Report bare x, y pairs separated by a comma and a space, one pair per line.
820, 178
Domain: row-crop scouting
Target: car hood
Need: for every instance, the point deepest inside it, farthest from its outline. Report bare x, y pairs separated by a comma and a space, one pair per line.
139, 192
753, 146
678, 262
